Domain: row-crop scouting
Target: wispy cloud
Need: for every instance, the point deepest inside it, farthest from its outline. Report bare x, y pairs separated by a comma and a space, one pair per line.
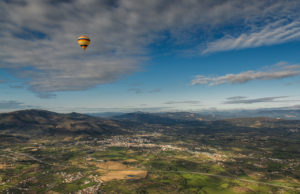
156, 90
183, 102
274, 33
136, 90
294, 107
140, 91
11, 104
16, 86
245, 100
14, 105
46, 95
113, 109
277, 72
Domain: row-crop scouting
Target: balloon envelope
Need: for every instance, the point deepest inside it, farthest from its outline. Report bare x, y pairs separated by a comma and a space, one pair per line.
83, 41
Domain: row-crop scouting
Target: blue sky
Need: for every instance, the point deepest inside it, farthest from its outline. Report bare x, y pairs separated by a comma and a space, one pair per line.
149, 56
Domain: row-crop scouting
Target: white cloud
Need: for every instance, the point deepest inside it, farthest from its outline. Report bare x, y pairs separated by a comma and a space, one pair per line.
279, 72
274, 33
245, 100
183, 102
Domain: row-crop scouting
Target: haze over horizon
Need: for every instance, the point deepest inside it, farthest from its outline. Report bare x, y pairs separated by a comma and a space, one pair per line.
181, 55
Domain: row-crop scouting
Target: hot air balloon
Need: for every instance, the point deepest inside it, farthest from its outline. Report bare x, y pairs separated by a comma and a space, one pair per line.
83, 41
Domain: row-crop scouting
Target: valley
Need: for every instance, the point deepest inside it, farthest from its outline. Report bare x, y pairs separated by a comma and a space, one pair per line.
173, 157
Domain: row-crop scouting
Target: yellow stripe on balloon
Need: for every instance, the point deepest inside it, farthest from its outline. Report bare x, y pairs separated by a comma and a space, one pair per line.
83, 41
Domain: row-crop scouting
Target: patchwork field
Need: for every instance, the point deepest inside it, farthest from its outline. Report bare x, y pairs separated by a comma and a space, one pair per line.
235, 156
69, 165
112, 170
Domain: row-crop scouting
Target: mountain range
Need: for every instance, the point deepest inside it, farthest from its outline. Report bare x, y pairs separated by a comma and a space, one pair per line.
41, 122
282, 113
38, 123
